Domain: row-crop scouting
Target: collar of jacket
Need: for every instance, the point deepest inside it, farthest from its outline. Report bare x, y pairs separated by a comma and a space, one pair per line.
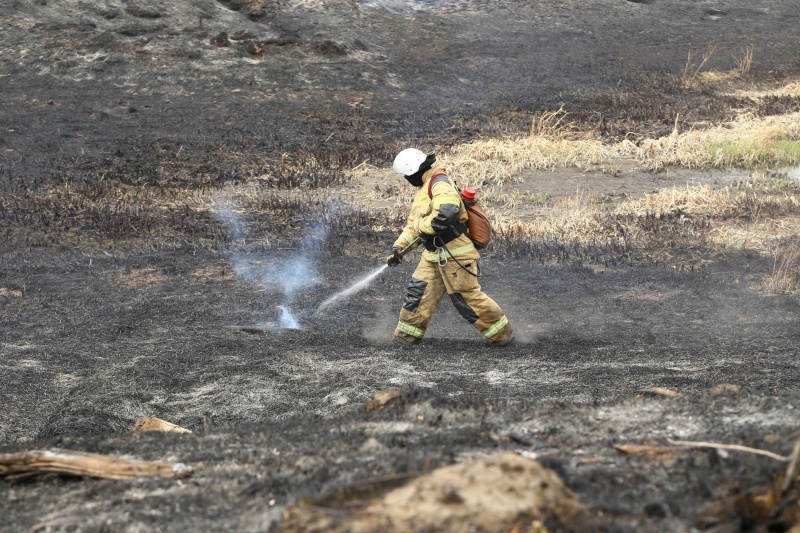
435, 169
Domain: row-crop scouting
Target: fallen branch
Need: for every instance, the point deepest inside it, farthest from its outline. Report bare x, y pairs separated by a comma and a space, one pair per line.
792, 470
735, 447
643, 448
646, 450
661, 391
16, 466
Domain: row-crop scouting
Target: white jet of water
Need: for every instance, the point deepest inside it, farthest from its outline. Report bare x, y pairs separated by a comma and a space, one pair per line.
357, 286
287, 319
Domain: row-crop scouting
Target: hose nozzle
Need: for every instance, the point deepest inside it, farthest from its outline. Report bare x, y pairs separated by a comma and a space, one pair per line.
413, 244
397, 257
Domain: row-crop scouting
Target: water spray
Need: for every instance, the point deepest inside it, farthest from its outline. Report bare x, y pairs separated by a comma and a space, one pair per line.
295, 276
360, 284
357, 286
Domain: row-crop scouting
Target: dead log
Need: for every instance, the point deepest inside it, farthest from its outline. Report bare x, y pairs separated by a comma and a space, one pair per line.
20, 465
151, 423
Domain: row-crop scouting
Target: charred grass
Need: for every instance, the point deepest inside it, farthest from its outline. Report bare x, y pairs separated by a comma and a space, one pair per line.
150, 206
682, 228
785, 275
277, 417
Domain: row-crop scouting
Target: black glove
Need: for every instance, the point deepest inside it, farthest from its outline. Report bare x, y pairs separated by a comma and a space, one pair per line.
396, 258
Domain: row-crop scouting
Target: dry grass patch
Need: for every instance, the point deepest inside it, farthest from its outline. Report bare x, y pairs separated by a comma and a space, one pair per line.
681, 227
746, 142
693, 77
759, 235
571, 225
692, 199
760, 196
792, 89
715, 77
550, 144
785, 275
751, 215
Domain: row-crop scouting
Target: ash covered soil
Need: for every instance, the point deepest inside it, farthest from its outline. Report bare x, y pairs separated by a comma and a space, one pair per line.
119, 283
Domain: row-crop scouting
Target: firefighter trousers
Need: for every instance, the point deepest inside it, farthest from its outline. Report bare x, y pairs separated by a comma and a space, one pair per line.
428, 285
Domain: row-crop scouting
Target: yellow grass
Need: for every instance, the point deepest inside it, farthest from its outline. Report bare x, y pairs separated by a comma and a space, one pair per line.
792, 89
502, 161
739, 215
785, 275
746, 142
715, 77
737, 219
550, 144
700, 200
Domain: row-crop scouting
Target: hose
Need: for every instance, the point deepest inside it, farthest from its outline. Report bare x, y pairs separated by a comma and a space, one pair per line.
443, 246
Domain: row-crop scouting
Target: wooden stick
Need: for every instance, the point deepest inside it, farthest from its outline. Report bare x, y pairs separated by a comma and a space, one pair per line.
643, 449
25, 464
661, 391
792, 470
735, 447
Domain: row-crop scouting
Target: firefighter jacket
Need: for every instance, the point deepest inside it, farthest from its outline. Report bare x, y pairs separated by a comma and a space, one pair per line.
435, 214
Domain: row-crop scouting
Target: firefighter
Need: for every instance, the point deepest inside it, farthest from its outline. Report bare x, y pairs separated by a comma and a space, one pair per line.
450, 260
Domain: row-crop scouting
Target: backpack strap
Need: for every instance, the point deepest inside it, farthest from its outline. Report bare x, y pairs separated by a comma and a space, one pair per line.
441, 176
454, 231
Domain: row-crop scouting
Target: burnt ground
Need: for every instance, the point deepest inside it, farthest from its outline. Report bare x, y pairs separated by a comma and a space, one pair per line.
118, 284
279, 416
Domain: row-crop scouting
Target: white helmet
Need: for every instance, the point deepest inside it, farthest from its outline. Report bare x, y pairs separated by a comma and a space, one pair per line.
408, 161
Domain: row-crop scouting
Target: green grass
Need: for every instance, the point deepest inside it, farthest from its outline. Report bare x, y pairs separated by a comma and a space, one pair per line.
748, 152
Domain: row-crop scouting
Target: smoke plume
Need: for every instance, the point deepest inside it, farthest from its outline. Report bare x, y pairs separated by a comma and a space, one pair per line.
286, 279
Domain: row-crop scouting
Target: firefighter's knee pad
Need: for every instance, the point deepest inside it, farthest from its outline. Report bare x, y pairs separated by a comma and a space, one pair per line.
414, 291
463, 307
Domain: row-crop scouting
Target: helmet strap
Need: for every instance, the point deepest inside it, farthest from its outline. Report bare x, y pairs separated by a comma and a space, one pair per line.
415, 179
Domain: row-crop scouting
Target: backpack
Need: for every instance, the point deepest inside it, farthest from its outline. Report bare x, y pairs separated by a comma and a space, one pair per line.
479, 229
